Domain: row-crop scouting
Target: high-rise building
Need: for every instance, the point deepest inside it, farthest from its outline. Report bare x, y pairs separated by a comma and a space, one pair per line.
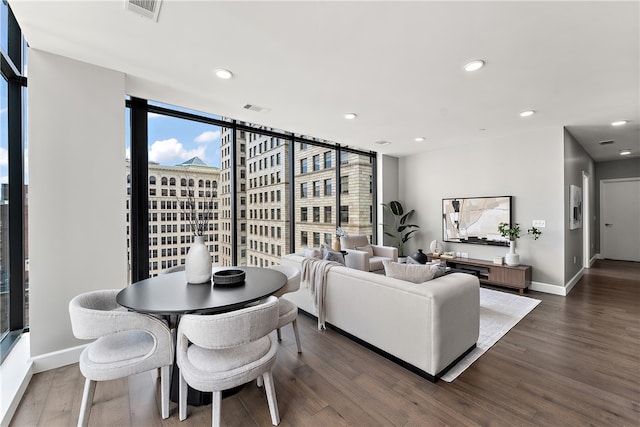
170, 232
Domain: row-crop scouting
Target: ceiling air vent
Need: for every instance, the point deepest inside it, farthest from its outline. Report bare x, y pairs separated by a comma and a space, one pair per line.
607, 142
256, 108
147, 8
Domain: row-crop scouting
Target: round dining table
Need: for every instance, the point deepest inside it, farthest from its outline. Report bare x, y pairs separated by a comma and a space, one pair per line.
171, 296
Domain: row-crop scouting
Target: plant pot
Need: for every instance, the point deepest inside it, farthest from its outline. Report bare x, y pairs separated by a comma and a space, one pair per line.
402, 259
336, 245
512, 258
197, 265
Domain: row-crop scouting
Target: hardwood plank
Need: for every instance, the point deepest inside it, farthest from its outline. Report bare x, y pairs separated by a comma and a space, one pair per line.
573, 361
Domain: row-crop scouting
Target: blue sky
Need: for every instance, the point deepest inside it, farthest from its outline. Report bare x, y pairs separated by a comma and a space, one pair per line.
173, 140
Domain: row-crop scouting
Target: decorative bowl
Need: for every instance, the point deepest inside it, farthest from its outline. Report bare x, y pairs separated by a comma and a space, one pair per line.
230, 277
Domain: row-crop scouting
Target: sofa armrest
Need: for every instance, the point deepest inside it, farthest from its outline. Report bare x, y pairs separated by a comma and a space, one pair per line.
358, 260
386, 251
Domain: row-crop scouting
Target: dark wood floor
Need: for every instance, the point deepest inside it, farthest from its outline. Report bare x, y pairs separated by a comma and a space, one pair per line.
573, 361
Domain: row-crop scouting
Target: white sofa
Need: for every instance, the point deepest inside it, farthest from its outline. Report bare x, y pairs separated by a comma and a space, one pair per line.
426, 327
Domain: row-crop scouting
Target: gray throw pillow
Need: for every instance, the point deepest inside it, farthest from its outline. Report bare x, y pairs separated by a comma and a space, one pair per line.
334, 256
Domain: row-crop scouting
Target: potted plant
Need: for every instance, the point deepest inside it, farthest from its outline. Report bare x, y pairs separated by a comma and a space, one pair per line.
400, 230
513, 233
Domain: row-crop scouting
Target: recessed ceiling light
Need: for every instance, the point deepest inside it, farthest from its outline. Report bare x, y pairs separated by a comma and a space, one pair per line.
381, 142
625, 152
419, 139
527, 113
350, 116
619, 123
221, 73
474, 65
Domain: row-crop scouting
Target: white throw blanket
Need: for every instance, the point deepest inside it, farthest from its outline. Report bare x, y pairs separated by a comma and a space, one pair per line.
314, 276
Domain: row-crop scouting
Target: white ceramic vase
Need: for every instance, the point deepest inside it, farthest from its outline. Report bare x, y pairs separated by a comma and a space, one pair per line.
198, 263
512, 258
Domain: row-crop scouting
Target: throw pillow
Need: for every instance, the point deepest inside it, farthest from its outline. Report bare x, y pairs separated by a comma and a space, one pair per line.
311, 253
415, 273
368, 249
334, 256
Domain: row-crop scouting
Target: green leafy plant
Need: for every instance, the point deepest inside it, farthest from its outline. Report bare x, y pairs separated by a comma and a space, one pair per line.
400, 230
513, 233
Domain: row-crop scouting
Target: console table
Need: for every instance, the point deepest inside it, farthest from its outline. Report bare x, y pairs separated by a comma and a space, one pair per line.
517, 277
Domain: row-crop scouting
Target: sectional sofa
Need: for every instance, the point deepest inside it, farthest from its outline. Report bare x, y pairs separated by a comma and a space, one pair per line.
425, 327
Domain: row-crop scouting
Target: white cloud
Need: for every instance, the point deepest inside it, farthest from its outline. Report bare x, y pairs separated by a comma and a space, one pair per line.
4, 179
171, 151
127, 154
4, 157
208, 136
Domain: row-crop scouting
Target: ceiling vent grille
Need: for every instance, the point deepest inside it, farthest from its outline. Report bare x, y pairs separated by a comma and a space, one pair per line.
256, 108
607, 142
147, 8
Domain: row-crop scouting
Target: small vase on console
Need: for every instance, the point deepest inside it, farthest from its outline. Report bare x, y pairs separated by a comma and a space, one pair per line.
336, 245
197, 265
512, 258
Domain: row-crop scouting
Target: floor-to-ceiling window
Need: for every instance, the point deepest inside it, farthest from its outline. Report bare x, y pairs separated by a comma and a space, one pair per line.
271, 192
184, 183
13, 183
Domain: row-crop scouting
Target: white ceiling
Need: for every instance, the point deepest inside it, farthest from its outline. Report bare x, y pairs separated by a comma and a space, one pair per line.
398, 65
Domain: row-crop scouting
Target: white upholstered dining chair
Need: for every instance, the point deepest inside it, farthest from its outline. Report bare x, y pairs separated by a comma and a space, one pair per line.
220, 351
127, 343
288, 311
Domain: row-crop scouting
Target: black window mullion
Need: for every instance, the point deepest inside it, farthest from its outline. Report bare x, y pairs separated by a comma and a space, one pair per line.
234, 196
338, 150
16, 206
139, 216
292, 197
374, 198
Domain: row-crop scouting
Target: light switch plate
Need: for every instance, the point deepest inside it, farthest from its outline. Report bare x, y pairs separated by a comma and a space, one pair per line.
539, 223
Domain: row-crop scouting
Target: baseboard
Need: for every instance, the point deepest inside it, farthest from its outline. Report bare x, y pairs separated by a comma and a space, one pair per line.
574, 280
593, 259
16, 372
547, 288
391, 357
57, 359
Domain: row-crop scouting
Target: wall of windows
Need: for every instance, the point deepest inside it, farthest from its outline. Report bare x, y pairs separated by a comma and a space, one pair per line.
13, 206
261, 208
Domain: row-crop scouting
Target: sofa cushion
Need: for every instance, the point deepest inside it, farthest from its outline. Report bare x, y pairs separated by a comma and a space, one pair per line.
368, 249
311, 253
375, 263
415, 273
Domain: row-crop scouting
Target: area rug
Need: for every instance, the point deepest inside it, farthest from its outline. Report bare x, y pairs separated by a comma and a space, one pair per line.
499, 312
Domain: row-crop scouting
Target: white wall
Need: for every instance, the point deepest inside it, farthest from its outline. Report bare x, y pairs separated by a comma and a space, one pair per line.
528, 166
77, 190
387, 190
577, 162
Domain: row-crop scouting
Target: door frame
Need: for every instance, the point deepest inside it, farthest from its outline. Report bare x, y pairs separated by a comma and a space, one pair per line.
586, 221
602, 184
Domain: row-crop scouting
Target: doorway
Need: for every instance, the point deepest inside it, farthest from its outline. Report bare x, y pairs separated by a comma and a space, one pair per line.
620, 219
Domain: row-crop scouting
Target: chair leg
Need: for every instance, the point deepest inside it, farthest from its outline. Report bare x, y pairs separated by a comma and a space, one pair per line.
182, 399
87, 400
164, 391
216, 403
295, 331
259, 381
279, 334
271, 397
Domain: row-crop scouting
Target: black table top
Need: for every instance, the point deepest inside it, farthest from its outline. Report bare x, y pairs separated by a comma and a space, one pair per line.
169, 294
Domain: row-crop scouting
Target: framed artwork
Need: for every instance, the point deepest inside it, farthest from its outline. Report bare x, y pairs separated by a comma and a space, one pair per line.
575, 207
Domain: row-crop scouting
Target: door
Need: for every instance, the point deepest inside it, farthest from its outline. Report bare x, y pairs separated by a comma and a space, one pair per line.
620, 219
